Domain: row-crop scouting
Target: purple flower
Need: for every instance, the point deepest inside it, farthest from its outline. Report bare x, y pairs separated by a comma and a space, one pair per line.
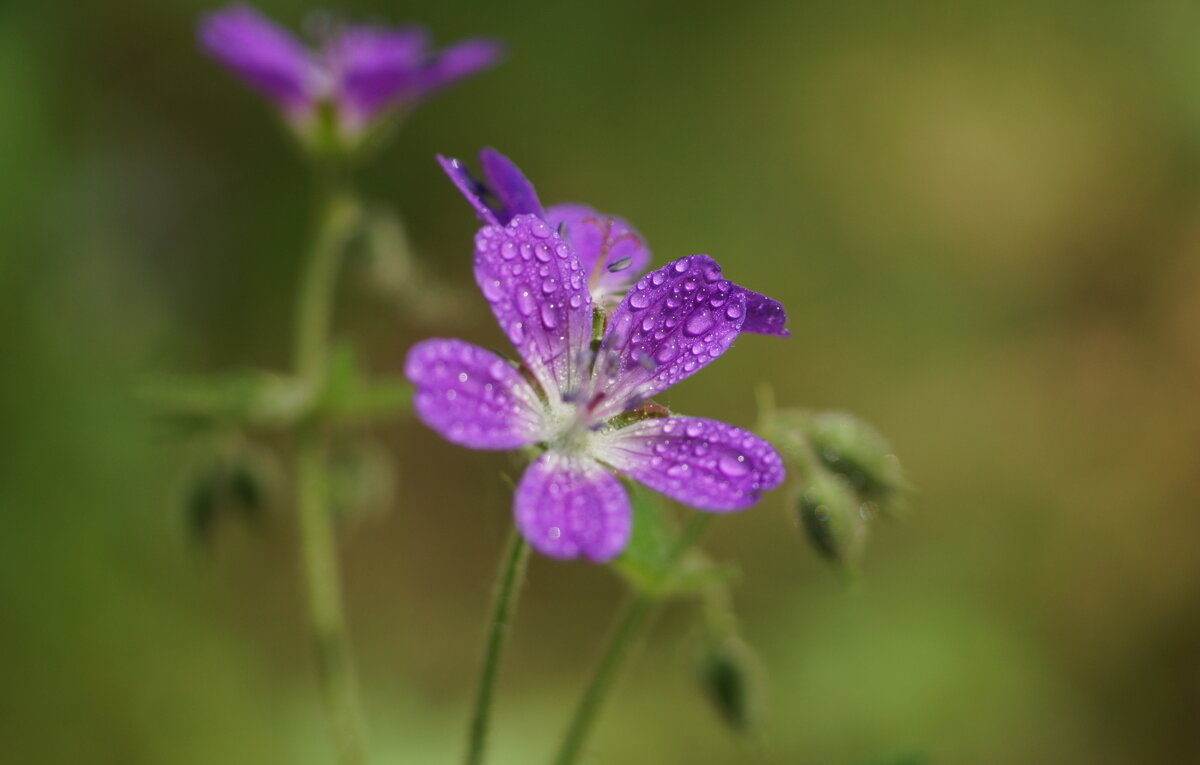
361, 71
612, 252
585, 407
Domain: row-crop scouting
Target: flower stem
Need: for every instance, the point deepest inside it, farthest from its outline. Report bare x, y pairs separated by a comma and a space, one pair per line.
620, 645
508, 585
318, 543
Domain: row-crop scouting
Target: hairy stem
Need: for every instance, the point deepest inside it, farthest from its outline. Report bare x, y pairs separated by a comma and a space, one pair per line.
318, 542
508, 586
621, 641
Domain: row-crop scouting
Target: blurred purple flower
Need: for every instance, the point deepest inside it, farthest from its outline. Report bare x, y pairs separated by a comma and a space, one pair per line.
586, 407
612, 252
362, 71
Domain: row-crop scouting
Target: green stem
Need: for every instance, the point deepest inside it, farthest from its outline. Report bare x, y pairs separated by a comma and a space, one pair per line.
620, 645
318, 543
508, 585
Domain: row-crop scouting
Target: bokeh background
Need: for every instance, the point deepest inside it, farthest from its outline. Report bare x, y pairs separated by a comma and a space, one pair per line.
985, 224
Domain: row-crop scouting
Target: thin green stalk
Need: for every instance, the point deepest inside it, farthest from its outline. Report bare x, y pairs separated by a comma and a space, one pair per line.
632, 616
318, 543
508, 586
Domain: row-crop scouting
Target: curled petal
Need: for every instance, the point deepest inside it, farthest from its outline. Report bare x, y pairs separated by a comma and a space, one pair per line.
375, 67
473, 397
571, 506
536, 288
474, 191
674, 321
764, 316
612, 253
503, 193
262, 54
702, 463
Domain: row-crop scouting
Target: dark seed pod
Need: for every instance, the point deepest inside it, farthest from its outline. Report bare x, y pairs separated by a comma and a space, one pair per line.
730, 680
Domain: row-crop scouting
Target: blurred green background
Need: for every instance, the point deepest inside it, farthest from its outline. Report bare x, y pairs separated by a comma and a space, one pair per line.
985, 224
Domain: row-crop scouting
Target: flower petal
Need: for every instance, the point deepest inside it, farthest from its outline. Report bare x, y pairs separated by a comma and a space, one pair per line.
571, 506
473, 397
263, 54
504, 192
511, 188
674, 321
536, 288
613, 254
374, 67
764, 316
471, 188
703, 463
459, 61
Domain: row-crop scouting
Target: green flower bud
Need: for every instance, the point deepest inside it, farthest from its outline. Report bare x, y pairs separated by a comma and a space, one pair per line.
731, 681
833, 518
854, 450
242, 483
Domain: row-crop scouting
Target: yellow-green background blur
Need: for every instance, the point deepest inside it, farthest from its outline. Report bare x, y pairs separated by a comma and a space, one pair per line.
984, 222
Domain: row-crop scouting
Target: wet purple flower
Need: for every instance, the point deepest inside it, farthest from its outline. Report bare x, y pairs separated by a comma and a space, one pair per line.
612, 252
585, 407
362, 72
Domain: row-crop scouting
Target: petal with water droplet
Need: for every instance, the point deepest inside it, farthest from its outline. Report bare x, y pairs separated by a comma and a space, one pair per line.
568, 507
703, 463
472, 397
549, 321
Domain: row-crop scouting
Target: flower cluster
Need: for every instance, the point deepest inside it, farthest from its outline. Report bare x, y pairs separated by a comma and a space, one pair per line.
548, 276
360, 73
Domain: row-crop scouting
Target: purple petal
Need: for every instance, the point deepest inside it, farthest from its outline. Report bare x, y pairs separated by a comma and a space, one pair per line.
673, 322
375, 67
473, 397
264, 55
702, 463
504, 192
472, 189
612, 253
459, 61
764, 316
511, 188
537, 292
571, 506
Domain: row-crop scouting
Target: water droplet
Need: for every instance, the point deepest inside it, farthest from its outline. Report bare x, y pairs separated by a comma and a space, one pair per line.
733, 311
620, 264
517, 333
451, 395
563, 251
693, 429
492, 290
525, 302
538, 228
681, 265
462, 376
554, 532
508, 250
733, 466
549, 286
690, 284
576, 300
698, 323
638, 300
657, 278
549, 316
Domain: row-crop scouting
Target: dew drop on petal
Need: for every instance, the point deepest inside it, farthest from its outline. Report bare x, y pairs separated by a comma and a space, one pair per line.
698, 323
525, 302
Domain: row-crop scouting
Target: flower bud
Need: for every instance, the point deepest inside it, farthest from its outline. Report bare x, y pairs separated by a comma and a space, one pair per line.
242, 483
851, 448
731, 681
833, 518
